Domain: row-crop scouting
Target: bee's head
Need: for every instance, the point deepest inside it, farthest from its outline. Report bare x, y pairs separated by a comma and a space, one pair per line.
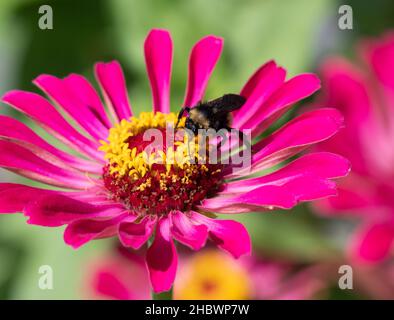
191, 125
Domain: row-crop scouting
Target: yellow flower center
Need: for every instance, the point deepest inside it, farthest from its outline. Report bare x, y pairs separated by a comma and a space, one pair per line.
155, 179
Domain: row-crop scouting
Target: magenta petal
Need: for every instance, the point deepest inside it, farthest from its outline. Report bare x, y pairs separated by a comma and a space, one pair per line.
109, 284
347, 88
269, 79
379, 55
82, 231
374, 242
319, 164
113, 84
15, 131
54, 210
133, 234
60, 93
295, 136
22, 161
356, 197
186, 232
286, 196
229, 235
281, 100
40, 110
308, 188
253, 81
121, 276
82, 89
310, 127
158, 59
161, 258
93, 196
263, 197
14, 197
202, 61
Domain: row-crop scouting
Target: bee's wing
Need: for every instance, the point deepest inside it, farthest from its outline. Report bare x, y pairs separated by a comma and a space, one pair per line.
227, 103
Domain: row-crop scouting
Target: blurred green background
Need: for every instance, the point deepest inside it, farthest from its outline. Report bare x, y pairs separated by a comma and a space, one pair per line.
298, 34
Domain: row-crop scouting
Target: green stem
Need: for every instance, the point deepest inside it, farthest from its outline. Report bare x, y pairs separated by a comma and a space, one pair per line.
162, 296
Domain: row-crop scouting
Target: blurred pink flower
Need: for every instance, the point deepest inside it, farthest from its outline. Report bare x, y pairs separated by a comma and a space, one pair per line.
207, 275
364, 93
116, 193
119, 274
376, 281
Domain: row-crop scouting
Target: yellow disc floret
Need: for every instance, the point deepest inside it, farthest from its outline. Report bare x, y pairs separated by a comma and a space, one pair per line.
124, 159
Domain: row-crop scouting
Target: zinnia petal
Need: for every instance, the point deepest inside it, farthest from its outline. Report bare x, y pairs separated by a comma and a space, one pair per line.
286, 196
88, 96
202, 61
268, 80
229, 235
46, 115
260, 198
17, 132
347, 89
282, 99
82, 231
158, 59
133, 234
113, 84
161, 258
22, 161
373, 242
183, 230
319, 164
14, 197
379, 55
55, 210
295, 136
60, 93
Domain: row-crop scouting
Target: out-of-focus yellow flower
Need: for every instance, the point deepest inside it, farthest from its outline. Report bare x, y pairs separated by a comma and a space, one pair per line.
212, 275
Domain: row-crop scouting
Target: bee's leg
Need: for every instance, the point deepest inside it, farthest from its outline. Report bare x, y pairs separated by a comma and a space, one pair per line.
180, 115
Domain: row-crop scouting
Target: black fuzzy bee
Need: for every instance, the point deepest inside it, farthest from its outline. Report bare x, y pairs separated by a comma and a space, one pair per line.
214, 114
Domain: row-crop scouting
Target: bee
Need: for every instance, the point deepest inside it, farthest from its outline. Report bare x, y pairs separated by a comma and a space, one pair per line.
214, 114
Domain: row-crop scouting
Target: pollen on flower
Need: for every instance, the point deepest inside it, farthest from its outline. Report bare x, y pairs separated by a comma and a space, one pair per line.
165, 179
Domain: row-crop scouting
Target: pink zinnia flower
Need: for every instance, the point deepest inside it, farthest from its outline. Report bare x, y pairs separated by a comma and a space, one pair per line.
365, 95
207, 275
115, 193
